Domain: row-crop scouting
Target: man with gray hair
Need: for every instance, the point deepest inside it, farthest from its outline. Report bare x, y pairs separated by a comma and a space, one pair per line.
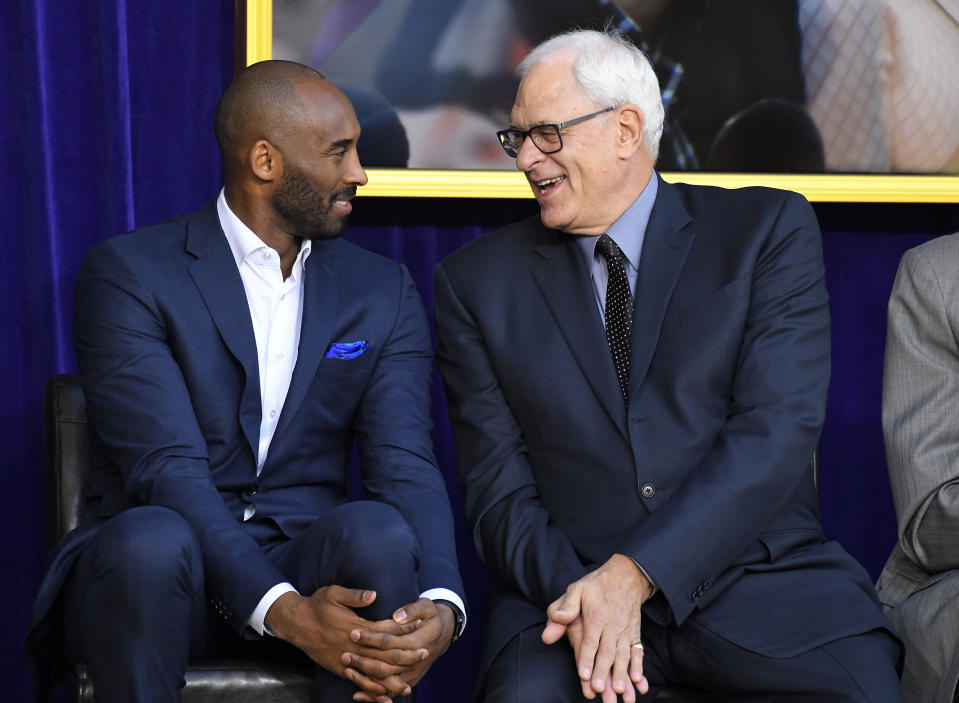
637, 381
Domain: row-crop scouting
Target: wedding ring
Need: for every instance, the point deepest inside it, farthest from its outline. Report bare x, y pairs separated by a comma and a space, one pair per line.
637, 645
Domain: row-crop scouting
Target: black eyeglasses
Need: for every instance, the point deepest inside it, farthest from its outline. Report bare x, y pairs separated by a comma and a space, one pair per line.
546, 137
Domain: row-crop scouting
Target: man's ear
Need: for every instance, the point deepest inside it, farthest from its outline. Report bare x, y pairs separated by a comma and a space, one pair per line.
629, 130
265, 160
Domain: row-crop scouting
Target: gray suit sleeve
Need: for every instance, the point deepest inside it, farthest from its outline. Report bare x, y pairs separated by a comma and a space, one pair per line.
920, 404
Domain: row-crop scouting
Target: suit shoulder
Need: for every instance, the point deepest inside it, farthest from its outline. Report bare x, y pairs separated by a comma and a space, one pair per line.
929, 271
750, 197
155, 242
749, 214
361, 271
942, 253
498, 247
349, 254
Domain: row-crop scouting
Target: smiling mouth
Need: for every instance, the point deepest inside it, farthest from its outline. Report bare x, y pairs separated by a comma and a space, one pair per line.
343, 205
342, 199
549, 184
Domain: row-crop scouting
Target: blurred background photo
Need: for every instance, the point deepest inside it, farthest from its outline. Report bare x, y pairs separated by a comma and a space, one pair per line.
791, 86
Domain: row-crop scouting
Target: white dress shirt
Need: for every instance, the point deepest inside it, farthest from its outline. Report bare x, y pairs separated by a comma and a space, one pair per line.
276, 308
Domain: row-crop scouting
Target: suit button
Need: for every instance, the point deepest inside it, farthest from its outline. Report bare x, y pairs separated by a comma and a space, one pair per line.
648, 490
250, 490
700, 590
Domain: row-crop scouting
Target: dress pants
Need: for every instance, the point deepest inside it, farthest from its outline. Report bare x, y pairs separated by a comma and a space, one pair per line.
859, 669
135, 608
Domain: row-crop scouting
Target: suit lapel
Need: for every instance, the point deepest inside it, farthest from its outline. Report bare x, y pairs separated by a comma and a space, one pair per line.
320, 305
216, 276
566, 286
665, 247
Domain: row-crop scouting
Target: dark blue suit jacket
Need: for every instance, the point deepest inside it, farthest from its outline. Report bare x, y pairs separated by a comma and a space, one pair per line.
705, 479
168, 362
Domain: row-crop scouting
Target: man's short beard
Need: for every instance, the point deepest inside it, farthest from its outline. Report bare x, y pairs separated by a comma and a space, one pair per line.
308, 212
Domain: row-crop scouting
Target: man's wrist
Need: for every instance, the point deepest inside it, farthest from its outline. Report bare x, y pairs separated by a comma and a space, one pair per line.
257, 619
459, 617
281, 615
649, 587
452, 597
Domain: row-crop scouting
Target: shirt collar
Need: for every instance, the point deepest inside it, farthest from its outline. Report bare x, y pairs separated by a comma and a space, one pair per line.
244, 242
629, 230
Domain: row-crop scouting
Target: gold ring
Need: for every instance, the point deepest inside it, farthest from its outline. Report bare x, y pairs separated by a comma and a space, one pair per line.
637, 645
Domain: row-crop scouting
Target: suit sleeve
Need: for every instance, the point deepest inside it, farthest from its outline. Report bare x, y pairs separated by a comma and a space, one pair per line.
511, 529
776, 407
920, 412
393, 438
141, 410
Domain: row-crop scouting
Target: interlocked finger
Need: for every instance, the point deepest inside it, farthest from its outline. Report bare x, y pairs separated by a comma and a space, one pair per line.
588, 648
636, 675
603, 666
373, 667
619, 681
376, 688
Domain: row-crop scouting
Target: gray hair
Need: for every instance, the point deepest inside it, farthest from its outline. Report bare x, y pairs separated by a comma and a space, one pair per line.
611, 71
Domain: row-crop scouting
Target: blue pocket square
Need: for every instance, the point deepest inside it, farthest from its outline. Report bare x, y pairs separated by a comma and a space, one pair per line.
347, 350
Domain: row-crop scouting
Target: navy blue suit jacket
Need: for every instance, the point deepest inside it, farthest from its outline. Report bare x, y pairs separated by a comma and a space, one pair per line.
704, 480
168, 363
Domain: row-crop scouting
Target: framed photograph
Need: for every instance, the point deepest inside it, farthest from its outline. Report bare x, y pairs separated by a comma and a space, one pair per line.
841, 100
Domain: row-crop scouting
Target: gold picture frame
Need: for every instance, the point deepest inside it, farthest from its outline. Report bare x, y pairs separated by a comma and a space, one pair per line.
423, 183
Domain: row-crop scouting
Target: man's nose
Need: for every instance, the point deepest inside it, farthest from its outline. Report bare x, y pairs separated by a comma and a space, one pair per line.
528, 155
356, 174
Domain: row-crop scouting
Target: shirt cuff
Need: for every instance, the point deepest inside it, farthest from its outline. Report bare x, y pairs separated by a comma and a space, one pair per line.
256, 620
646, 574
447, 594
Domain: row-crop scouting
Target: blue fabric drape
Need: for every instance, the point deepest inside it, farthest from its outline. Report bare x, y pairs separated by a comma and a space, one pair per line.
106, 124
862, 245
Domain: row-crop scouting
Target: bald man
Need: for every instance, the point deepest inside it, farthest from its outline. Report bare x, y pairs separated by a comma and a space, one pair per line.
230, 358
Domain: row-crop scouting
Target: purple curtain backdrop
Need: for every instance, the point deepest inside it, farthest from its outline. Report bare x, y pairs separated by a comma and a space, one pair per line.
107, 125
862, 246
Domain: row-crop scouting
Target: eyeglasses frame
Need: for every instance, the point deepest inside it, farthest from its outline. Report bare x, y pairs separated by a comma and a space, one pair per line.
557, 126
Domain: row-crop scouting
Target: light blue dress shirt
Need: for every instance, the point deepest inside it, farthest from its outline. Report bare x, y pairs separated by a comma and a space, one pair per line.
629, 232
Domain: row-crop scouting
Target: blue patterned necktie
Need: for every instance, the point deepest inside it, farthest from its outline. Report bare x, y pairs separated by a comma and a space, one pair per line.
618, 310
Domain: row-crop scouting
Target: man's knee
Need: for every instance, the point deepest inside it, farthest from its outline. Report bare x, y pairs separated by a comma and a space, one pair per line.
526, 669
139, 576
147, 550
871, 661
372, 531
371, 546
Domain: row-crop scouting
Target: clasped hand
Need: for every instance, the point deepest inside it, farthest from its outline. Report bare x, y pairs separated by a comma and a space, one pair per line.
384, 658
601, 616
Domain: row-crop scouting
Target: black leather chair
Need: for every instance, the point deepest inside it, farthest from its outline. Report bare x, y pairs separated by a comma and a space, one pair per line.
68, 461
